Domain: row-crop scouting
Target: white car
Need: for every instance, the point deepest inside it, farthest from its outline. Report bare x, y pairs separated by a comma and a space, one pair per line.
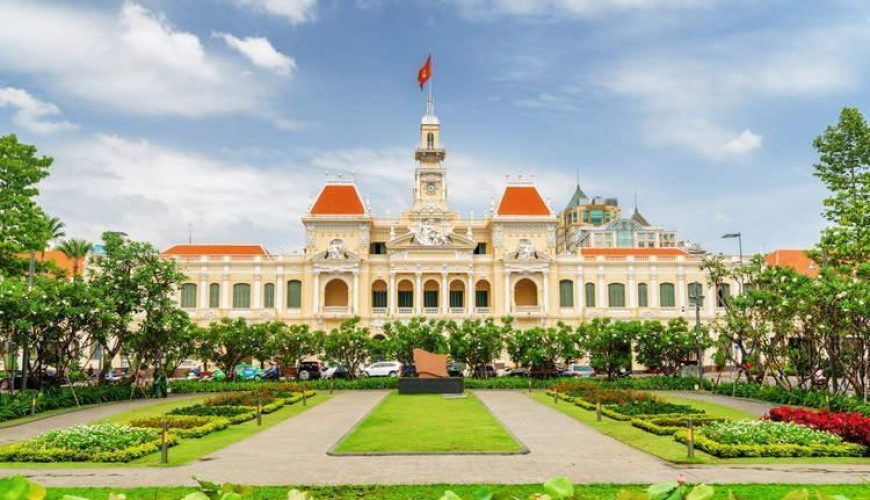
383, 369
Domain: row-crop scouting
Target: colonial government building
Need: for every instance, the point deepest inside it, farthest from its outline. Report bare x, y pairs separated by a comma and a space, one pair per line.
521, 260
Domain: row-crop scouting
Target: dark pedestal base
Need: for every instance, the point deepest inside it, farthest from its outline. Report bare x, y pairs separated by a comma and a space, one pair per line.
449, 385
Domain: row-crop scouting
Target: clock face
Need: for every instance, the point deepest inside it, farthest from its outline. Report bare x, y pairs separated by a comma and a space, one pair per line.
430, 187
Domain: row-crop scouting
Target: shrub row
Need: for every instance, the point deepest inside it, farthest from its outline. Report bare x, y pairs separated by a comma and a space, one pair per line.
184, 426
722, 450
27, 451
667, 426
797, 397
853, 427
18, 405
235, 414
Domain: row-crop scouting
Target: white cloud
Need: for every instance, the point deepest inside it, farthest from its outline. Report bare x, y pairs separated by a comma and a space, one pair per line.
743, 143
295, 11
32, 114
568, 8
260, 52
135, 61
153, 192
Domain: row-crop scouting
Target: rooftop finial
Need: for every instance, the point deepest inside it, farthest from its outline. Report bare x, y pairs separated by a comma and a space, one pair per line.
635, 200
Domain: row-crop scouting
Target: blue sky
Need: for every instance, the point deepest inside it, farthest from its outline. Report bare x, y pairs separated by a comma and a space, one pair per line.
228, 114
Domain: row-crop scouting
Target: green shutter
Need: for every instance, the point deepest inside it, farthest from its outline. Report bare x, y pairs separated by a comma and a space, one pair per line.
269, 296
456, 298
616, 295
241, 296
294, 294
696, 292
214, 296
589, 291
430, 298
379, 298
481, 298
406, 298
666, 295
566, 293
642, 300
188, 296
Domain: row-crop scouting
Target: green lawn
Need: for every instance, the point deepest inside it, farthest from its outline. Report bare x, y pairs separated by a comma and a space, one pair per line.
666, 447
188, 449
429, 423
433, 492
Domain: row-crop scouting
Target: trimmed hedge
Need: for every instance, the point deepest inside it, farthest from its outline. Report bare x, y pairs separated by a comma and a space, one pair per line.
667, 426
797, 397
235, 414
184, 426
18, 405
722, 450
652, 407
27, 452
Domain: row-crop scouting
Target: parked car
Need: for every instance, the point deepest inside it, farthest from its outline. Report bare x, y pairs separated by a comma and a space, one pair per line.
545, 371
116, 376
455, 369
335, 371
247, 372
484, 372
408, 371
519, 371
308, 370
575, 370
383, 369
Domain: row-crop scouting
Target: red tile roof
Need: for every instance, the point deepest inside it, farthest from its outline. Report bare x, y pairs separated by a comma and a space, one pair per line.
522, 200
216, 250
338, 199
795, 259
632, 251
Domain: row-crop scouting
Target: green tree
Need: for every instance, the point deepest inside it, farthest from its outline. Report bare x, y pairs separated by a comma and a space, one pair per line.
608, 344
668, 347
543, 347
844, 168
477, 342
76, 251
418, 333
290, 345
23, 224
55, 230
349, 344
227, 342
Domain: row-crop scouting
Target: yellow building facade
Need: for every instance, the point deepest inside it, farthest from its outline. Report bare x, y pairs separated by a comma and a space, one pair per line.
431, 262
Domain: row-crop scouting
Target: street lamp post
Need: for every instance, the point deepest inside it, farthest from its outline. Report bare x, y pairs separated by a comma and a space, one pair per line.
739, 237
25, 354
698, 300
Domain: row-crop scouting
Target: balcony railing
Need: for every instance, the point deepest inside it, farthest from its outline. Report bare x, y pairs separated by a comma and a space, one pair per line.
481, 310
528, 309
336, 310
405, 311
457, 310
431, 310
379, 311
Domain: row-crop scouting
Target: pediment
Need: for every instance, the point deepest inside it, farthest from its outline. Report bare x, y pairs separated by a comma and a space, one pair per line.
325, 258
454, 242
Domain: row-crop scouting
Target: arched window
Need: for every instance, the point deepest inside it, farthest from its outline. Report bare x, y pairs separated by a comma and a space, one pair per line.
269, 296
723, 294
566, 293
294, 294
188, 296
642, 299
616, 295
589, 291
379, 294
405, 298
241, 296
525, 293
481, 294
666, 295
336, 294
430, 140
696, 293
457, 294
431, 292
214, 296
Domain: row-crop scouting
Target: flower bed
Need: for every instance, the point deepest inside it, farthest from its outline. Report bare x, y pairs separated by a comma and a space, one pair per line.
853, 427
812, 398
94, 443
185, 426
248, 398
723, 450
652, 407
594, 392
235, 414
667, 426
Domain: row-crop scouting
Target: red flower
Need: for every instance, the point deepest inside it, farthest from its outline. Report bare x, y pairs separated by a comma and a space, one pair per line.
852, 427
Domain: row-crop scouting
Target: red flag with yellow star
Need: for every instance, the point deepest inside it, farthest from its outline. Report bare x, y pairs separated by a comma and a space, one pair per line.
425, 72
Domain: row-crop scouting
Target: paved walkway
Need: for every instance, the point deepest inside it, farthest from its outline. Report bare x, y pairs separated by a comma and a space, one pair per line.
75, 417
294, 452
757, 408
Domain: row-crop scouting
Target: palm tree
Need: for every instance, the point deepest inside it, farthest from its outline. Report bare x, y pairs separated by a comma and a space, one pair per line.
76, 250
54, 228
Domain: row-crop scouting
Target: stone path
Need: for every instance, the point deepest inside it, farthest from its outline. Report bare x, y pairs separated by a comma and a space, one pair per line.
75, 417
294, 452
757, 408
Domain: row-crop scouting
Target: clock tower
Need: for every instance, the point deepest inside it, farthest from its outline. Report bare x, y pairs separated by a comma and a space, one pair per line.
430, 187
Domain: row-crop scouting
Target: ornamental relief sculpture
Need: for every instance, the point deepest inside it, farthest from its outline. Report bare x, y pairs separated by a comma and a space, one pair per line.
335, 250
428, 232
525, 250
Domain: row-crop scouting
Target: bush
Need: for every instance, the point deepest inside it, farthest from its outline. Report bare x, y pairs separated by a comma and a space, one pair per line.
18, 405
767, 432
235, 414
798, 397
95, 443
262, 396
652, 407
852, 427
723, 450
185, 426
595, 392
667, 426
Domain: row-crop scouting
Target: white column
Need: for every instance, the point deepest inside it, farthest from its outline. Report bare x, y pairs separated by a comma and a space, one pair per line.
710, 301
316, 293
602, 288
257, 295
355, 292
632, 288
654, 288
469, 294
225, 289
203, 290
507, 292
681, 288
581, 301
546, 285
392, 294
445, 294
418, 294
280, 294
